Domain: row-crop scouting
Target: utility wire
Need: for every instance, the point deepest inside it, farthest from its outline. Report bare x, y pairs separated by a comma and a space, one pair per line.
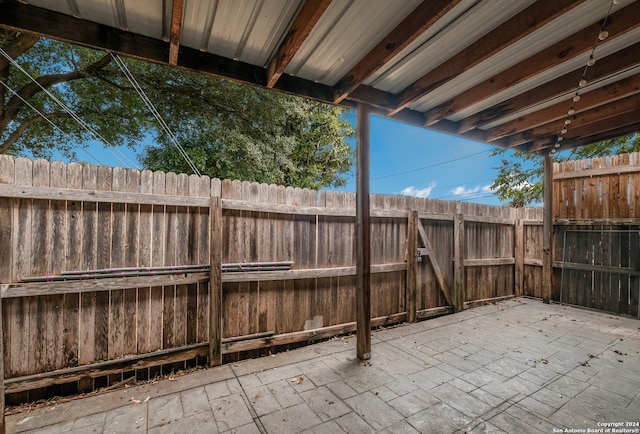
453, 160
47, 119
77, 118
431, 165
478, 197
154, 111
44, 117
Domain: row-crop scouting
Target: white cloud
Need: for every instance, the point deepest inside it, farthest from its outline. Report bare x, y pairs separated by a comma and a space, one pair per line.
462, 190
419, 192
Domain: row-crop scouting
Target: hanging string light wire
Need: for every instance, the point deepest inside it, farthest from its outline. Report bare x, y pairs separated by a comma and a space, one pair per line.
43, 116
97, 136
602, 35
127, 73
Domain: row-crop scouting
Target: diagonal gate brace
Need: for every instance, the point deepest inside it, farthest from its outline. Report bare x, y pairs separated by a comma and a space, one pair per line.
428, 251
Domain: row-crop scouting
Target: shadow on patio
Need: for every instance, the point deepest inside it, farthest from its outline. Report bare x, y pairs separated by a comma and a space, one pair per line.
518, 366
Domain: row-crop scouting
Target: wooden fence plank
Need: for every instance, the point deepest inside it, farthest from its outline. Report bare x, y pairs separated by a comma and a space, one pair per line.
7, 175
459, 277
40, 263
145, 236
215, 284
88, 261
183, 224
519, 250
159, 239
412, 249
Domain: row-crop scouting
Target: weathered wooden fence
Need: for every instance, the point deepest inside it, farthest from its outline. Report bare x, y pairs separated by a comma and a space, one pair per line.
429, 257
597, 227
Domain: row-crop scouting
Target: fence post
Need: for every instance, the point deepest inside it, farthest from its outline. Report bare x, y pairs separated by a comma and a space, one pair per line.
458, 255
519, 257
547, 230
412, 248
215, 282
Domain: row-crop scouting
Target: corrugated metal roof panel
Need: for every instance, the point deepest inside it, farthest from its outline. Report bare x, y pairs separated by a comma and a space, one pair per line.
249, 31
580, 17
335, 45
565, 97
61, 6
470, 24
144, 18
406, 55
252, 30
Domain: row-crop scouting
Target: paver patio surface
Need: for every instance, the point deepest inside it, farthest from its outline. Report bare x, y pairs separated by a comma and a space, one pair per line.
517, 366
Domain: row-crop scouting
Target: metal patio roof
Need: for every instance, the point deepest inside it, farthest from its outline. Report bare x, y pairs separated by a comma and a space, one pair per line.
497, 71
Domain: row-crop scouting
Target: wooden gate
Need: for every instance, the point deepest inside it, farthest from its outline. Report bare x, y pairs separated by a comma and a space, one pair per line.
600, 269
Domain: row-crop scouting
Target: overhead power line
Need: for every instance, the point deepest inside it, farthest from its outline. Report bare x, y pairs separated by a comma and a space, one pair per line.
453, 160
67, 109
44, 117
127, 73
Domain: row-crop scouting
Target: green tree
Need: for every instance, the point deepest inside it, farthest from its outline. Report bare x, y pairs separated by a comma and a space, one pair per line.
229, 130
519, 175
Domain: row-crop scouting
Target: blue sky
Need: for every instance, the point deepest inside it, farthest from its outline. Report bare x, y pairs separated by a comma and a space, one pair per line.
404, 160
418, 162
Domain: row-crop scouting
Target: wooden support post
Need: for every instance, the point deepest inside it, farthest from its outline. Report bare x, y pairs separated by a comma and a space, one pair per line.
458, 267
519, 257
3, 428
412, 264
547, 230
363, 235
215, 282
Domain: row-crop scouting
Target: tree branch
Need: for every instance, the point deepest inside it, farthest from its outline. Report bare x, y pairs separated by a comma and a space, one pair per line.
19, 44
28, 91
17, 133
113, 83
22, 43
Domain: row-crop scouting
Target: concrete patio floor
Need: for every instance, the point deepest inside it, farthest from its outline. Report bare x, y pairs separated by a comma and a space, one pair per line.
518, 367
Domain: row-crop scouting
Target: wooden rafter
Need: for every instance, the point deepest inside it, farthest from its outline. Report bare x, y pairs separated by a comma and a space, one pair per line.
297, 34
177, 9
604, 135
609, 121
26, 18
527, 132
608, 66
603, 115
620, 90
416, 23
524, 23
577, 44
603, 129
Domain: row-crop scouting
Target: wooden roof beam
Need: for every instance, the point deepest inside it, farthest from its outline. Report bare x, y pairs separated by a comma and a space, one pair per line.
516, 28
177, 9
610, 65
30, 19
579, 120
416, 23
598, 97
612, 123
599, 137
297, 34
619, 23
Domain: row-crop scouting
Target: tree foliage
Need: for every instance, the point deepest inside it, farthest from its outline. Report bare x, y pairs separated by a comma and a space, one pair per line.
229, 130
519, 175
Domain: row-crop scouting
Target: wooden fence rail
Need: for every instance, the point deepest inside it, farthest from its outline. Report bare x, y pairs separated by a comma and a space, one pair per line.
56, 217
597, 233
